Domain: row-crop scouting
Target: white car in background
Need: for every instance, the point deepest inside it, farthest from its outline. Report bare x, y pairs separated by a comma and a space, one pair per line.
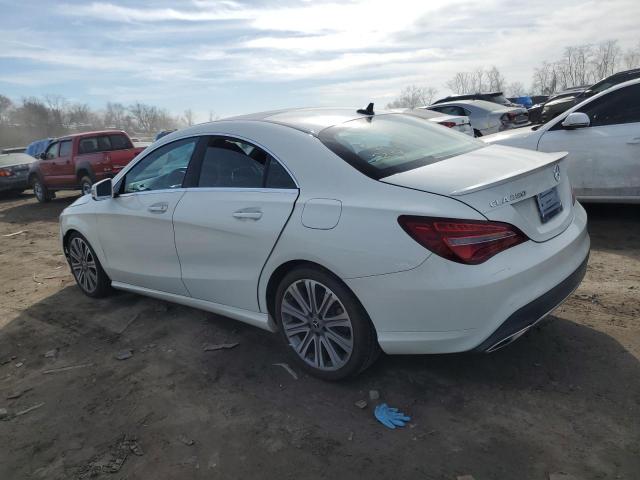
485, 117
602, 136
345, 231
459, 123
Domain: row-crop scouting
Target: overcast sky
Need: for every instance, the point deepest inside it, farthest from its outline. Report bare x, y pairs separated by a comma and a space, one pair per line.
238, 57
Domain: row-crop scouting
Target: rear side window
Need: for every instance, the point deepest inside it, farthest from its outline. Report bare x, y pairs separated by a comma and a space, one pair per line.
232, 163
65, 148
88, 145
119, 142
383, 145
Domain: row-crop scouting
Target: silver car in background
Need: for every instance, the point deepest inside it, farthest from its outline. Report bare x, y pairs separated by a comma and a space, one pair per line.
485, 117
460, 123
14, 168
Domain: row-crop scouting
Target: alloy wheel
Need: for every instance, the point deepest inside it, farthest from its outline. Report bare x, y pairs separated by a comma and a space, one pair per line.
37, 189
317, 325
86, 188
83, 264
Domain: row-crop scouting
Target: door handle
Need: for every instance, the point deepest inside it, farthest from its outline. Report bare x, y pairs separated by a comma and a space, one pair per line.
634, 141
248, 214
158, 207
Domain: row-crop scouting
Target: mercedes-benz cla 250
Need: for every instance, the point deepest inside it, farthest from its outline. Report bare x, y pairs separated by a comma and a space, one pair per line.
344, 231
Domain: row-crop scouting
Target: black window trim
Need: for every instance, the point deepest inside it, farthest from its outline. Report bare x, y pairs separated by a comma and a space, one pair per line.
49, 147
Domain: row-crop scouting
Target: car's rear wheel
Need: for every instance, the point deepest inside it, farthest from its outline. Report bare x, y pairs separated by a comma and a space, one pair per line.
42, 193
85, 185
324, 325
86, 268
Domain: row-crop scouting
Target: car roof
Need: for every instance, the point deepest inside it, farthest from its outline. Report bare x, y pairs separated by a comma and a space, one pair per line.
308, 120
87, 134
482, 104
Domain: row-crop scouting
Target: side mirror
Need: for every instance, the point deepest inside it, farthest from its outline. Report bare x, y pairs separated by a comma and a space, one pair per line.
576, 120
102, 190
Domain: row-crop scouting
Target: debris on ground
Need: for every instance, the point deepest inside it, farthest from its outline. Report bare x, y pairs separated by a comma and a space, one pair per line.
15, 233
70, 367
128, 324
3, 413
36, 280
51, 353
30, 409
18, 394
465, 477
112, 460
210, 347
390, 417
361, 404
147, 348
123, 354
374, 395
288, 369
19, 364
350, 436
135, 448
184, 439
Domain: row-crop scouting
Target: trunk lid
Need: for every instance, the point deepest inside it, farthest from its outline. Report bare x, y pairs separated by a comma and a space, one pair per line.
504, 184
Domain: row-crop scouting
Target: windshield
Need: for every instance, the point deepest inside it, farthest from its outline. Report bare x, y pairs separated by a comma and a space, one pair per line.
383, 145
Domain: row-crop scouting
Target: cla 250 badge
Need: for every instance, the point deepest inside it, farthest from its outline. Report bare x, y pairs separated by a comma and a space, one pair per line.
508, 198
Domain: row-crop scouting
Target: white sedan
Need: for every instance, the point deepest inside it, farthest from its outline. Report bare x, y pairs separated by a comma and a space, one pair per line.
602, 136
346, 232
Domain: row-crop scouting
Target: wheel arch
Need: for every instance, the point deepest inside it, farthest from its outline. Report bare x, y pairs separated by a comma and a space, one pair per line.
83, 169
282, 270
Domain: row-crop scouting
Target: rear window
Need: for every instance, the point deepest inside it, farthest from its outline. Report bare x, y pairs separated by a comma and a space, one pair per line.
383, 145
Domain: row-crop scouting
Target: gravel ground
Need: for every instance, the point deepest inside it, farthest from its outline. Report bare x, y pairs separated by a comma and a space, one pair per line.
565, 399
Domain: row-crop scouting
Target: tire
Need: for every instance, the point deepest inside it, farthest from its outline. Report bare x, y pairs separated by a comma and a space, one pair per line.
85, 184
347, 344
42, 193
86, 268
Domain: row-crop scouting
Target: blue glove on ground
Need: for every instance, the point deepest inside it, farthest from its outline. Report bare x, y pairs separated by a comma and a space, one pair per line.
390, 417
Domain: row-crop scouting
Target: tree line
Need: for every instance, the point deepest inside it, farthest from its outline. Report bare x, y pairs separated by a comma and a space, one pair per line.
33, 118
579, 65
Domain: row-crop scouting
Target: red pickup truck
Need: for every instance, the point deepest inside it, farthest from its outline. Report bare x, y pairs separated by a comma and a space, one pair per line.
76, 162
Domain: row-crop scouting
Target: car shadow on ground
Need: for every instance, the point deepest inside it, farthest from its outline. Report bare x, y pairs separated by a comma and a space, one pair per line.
614, 221
28, 209
562, 384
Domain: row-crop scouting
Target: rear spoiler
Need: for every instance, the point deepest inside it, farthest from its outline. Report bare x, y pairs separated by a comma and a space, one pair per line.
551, 158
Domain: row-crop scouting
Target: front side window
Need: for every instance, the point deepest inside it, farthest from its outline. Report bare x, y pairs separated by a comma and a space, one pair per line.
65, 148
52, 151
383, 145
162, 169
619, 106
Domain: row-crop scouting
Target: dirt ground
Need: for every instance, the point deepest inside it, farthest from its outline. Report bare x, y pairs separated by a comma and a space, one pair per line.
563, 399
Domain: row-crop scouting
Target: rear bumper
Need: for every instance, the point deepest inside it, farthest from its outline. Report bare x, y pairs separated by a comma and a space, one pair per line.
446, 307
526, 317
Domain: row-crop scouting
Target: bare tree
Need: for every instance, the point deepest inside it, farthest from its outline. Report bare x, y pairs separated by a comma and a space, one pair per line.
188, 117
605, 59
478, 81
632, 57
462, 83
413, 96
116, 116
515, 89
5, 105
77, 116
495, 80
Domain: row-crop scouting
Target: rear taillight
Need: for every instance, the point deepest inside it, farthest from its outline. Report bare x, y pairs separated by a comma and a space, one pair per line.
448, 124
5, 172
462, 241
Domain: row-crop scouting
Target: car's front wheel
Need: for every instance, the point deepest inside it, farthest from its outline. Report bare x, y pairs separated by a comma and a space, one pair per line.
86, 268
324, 325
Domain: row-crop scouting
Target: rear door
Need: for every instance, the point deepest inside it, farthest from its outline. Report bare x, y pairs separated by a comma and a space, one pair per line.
228, 223
604, 158
136, 229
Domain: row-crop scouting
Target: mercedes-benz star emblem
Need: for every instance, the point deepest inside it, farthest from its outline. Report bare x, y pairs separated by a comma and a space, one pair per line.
556, 172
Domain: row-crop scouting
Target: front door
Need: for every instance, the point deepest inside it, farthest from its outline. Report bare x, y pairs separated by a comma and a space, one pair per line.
136, 228
604, 158
227, 225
